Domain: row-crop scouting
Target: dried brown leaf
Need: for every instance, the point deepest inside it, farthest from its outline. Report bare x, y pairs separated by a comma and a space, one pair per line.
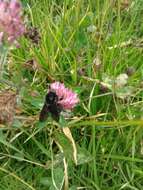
7, 106
31, 64
68, 134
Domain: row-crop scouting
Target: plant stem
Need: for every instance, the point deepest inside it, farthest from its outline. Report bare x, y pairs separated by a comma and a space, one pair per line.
3, 59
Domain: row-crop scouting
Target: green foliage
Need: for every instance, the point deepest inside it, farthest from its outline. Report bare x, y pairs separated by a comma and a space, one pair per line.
87, 44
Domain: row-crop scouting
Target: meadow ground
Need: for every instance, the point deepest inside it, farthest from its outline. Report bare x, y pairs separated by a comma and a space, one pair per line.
96, 48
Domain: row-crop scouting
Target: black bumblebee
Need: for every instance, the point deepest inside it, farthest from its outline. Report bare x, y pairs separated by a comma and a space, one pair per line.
51, 106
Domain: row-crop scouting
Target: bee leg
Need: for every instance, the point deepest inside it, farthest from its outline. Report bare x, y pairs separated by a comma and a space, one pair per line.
56, 113
55, 116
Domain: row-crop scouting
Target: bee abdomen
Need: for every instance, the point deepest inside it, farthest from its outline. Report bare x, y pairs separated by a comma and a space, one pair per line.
44, 113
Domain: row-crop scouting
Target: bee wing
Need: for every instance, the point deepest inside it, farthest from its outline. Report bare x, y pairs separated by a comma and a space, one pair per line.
44, 113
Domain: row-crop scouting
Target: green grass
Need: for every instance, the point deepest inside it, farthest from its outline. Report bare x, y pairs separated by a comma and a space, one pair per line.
107, 130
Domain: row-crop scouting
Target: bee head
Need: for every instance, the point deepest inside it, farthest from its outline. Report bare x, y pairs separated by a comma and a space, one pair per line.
51, 97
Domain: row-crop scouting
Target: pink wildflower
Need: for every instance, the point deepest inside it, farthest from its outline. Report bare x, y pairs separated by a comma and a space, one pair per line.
1, 37
66, 98
11, 23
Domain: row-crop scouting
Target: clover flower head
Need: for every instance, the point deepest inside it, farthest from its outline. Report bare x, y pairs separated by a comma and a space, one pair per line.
66, 97
11, 22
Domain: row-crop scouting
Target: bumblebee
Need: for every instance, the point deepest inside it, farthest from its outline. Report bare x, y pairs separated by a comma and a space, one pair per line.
51, 106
